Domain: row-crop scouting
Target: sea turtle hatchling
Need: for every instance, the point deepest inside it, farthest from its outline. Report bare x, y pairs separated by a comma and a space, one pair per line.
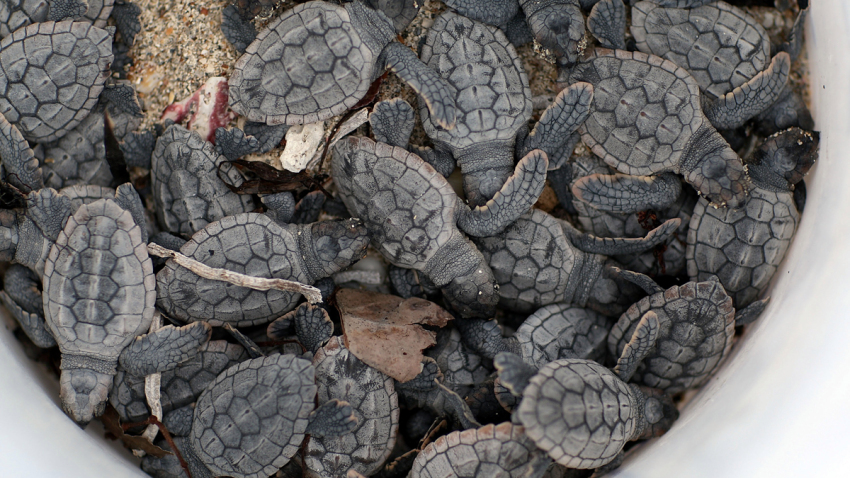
317, 60
493, 98
98, 301
253, 418
502, 450
413, 215
342, 376
646, 119
52, 75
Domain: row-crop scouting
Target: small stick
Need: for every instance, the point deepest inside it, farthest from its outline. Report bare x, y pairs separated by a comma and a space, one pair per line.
152, 392
312, 294
152, 420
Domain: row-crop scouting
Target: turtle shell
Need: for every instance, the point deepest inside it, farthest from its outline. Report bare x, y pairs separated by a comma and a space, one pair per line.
462, 368
644, 113
247, 243
99, 288
408, 208
551, 331
493, 98
187, 189
697, 323
742, 247
79, 157
308, 65
86, 194
15, 14
579, 412
251, 420
720, 45
52, 75
340, 375
502, 451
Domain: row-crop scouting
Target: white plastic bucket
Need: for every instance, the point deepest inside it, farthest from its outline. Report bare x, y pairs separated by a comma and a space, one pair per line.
780, 406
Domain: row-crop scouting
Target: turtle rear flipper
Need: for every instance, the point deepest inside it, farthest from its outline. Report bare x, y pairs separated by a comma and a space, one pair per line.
739, 105
437, 94
626, 194
31, 323
514, 199
607, 22
514, 373
239, 31
560, 119
642, 341
334, 418
392, 122
164, 349
615, 246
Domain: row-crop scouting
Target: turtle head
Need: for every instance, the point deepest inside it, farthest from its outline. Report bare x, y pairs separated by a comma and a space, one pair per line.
658, 412
84, 393
784, 158
711, 166
335, 245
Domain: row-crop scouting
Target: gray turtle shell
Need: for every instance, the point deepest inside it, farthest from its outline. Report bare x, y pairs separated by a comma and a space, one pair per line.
742, 247
178, 387
52, 75
15, 14
719, 44
579, 412
340, 375
645, 110
247, 243
502, 451
86, 194
78, 157
251, 420
99, 283
697, 323
551, 330
308, 65
492, 94
186, 188
462, 368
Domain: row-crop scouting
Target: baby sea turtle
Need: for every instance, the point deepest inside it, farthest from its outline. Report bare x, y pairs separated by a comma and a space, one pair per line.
253, 419
413, 216
317, 60
99, 299
646, 119
503, 451
187, 189
51, 86
255, 245
462, 368
540, 260
490, 88
342, 376
579, 412
745, 246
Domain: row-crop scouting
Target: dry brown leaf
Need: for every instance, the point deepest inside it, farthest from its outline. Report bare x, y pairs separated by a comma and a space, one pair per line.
385, 331
112, 425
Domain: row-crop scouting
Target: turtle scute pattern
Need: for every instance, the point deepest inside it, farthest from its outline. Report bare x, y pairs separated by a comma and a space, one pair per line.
492, 451
558, 328
340, 375
579, 412
52, 74
251, 420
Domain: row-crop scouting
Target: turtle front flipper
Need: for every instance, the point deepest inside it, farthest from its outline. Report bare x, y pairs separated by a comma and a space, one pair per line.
313, 326
714, 169
794, 41
516, 197
334, 418
164, 349
733, 109
308, 209
129, 200
58, 10
616, 246
279, 206
234, 143
23, 299
20, 166
560, 120
238, 30
751, 312
642, 341
607, 22
392, 122
643, 281
127, 19
437, 94
626, 194
514, 373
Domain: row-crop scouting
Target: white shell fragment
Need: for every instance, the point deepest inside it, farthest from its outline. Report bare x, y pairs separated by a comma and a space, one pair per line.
302, 141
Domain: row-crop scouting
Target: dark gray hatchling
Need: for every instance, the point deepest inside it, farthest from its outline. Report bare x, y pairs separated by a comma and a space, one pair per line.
413, 216
462, 368
317, 60
99, 300
503, 451
52, 75
342, 376
582, 414
745, 246
253, 419
490, 88
541, 260
255, 245
187, 190
179, 387
646, 119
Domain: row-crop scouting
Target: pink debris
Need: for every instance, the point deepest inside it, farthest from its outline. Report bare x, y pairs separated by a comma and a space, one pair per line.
207, 109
